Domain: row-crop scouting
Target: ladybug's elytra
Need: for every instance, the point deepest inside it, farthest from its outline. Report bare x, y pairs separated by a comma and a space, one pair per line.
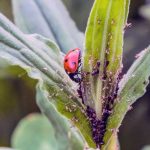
72, 62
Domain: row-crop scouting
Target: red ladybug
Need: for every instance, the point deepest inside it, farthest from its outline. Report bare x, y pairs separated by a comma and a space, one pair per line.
72, 63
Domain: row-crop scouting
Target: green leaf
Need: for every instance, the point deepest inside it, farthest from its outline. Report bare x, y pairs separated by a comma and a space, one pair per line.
42, 60
35, 132
104, 44
132, 86
113, 143
48, 21
54, 117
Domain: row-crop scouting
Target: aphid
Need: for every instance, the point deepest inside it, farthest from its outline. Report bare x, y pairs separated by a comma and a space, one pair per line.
72, 63
96, 69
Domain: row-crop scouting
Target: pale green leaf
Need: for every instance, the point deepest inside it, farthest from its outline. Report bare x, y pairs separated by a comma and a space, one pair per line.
145, 11
147, 147
42, 60
35, 132
132, 86
48, 20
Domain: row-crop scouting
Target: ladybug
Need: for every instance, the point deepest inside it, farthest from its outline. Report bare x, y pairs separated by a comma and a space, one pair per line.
72, 63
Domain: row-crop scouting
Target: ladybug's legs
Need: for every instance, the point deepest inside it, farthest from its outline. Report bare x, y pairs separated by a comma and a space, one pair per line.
75, 77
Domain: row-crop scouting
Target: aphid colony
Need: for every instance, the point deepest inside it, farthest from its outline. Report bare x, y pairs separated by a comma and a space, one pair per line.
72, 66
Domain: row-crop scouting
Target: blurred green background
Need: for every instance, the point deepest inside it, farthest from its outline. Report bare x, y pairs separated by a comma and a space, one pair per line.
17, 93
